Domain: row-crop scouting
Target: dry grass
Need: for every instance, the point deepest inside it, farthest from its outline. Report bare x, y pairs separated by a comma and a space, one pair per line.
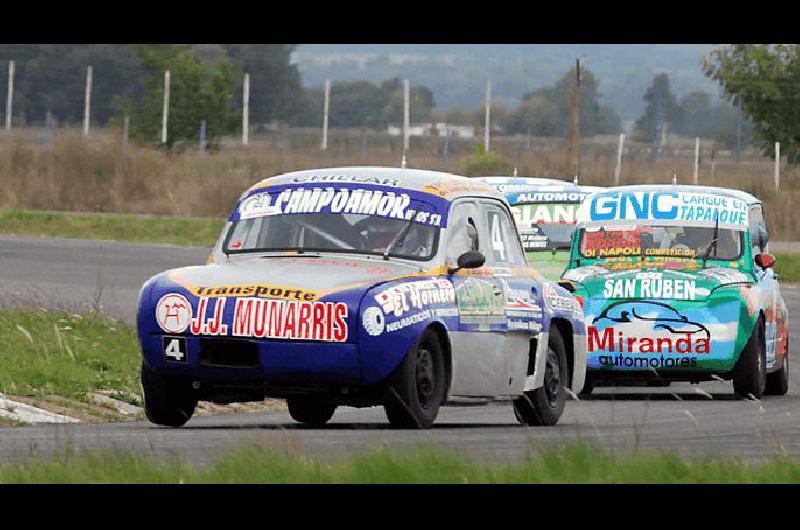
72, 173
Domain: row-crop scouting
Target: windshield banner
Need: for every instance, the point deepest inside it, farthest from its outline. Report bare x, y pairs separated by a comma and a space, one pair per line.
664, 208
364, 199
526, 214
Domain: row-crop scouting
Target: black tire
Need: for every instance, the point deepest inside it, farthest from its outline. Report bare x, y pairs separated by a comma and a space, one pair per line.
310, 410
168, 401
544, 405
416, 389
778, 382
750, 371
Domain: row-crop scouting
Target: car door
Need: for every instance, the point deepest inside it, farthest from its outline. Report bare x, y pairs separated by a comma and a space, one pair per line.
522, 315
479, 365
775, 332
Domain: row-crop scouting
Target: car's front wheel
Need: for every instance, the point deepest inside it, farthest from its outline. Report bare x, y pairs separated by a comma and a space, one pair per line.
544, 405
310, 410
168, 401
750, 371
416, 388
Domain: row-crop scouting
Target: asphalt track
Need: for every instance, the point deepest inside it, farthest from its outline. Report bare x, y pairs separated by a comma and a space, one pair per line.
689, 419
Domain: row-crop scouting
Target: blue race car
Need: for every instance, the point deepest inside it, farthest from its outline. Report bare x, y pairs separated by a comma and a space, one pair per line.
362, 287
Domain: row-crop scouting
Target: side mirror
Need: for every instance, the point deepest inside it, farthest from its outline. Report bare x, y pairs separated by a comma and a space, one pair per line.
469, 260
765, 261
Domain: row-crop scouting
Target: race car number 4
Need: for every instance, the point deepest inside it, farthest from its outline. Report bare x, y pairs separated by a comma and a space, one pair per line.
174, 348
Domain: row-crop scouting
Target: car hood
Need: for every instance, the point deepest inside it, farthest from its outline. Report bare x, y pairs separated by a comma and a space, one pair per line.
313, 276
654, 283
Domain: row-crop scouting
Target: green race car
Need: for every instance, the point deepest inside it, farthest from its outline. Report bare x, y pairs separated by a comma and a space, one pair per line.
676, 283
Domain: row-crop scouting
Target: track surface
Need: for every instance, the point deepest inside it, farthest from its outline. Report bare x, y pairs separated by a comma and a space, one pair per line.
66, 273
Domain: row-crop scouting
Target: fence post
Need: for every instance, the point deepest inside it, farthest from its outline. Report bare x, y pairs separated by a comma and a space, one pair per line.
87, 103
446, 150
245, 110
10, 94
203, 143
327, 107
488, 120
125, 126
165, 111
618, 169
406, 114
48, 128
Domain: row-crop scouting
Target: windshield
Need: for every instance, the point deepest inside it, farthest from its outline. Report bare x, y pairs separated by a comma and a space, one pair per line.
687, 242
361, 219
355, 233
545, 226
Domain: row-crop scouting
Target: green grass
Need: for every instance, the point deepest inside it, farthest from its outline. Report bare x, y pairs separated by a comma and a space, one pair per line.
117, 227
53, 352
259, 464
787, 265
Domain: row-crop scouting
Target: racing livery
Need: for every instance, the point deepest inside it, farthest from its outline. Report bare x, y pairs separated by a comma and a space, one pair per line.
545, 211
362, 287
677, 284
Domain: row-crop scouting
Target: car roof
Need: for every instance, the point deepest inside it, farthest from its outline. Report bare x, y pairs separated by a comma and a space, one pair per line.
523, 184
685, 188
446, 185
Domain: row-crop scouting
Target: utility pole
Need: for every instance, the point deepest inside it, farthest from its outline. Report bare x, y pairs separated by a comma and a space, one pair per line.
696, 159
10, 94
246, 110
165, 110
573, 150
326, 108
406, 114
777, 165
87, 104
487, 125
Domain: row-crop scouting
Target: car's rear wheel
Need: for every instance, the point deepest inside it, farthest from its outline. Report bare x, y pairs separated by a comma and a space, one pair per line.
168, 401
416, 388
544, 405
750, 371
778, 382
310, 410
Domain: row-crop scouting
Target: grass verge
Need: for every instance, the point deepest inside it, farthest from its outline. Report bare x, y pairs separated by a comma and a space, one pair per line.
117, 227
787, 265
54, 352
258, 464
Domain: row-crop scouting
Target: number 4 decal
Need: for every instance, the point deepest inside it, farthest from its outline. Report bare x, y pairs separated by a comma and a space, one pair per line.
174, 348
497, 238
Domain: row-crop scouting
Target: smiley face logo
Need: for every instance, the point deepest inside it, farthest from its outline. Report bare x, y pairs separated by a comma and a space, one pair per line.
173, 313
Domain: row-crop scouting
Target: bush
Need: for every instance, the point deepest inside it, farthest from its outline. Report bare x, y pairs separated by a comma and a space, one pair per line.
486, 163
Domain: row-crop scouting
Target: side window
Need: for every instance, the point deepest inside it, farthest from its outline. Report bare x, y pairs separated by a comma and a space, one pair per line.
463, 228
505, 249
757, 228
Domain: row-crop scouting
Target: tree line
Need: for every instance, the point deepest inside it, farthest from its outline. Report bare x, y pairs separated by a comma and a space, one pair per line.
207, 85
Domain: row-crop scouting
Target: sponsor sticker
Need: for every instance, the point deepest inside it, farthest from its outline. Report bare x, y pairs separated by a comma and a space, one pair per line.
650, 287
345, 198
401, 298
262, 291
668, 207
273, 319
173, 313
373, 321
